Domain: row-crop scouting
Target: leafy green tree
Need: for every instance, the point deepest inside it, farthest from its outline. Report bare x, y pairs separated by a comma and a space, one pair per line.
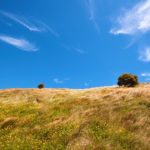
41, 86
127, 80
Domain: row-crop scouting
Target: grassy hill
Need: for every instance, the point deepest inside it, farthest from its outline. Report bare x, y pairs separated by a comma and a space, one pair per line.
64, 119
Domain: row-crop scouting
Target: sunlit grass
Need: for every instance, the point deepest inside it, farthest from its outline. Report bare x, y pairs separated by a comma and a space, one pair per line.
109, 118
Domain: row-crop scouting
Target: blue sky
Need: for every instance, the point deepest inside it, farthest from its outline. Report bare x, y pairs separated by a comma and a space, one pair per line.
73, 43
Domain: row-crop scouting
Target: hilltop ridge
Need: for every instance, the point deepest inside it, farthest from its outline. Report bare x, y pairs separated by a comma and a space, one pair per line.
111, 118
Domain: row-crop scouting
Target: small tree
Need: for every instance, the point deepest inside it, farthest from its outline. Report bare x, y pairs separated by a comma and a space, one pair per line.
127, 80
41, 86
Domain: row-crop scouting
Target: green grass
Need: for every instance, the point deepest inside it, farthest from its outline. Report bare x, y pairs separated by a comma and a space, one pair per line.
102, 119
115, 136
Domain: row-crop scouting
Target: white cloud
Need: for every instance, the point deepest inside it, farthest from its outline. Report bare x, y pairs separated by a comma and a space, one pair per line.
135, 20
79, 50
86, 84
145, 74
49, 29
75, 49
59, 81
90, 4
145, 55
18, 43
22, 21
30, 24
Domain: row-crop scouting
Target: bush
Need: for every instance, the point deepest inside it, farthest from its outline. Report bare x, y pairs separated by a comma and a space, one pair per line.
128, 80
41, 86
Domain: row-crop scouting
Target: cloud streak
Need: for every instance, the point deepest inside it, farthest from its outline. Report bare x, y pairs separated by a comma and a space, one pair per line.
74, 49
86, 84
90, 4
59, 81
79, 50
31, 25
145, 74
135, 20
18, 43
22, 21
145, 55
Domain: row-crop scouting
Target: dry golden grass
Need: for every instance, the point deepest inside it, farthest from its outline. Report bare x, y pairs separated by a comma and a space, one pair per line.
110, 118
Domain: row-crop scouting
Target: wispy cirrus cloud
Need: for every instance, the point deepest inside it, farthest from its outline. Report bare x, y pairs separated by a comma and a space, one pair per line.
79, 50
30, 24
91, 7
59, 81
86, 84
18, 43
22, 21
75, 49
145, 74
134, 20
144, 55
49, 29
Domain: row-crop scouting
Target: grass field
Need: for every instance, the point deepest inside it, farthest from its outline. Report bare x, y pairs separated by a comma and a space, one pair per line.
63, 119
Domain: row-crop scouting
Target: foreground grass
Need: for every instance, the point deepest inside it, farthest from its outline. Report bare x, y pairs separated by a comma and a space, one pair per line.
52, 119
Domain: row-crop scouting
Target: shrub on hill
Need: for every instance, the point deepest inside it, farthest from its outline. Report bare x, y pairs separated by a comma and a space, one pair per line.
127, 80
41, 86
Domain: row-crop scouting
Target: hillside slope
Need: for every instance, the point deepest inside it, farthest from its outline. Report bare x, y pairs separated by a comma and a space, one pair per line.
92, 119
